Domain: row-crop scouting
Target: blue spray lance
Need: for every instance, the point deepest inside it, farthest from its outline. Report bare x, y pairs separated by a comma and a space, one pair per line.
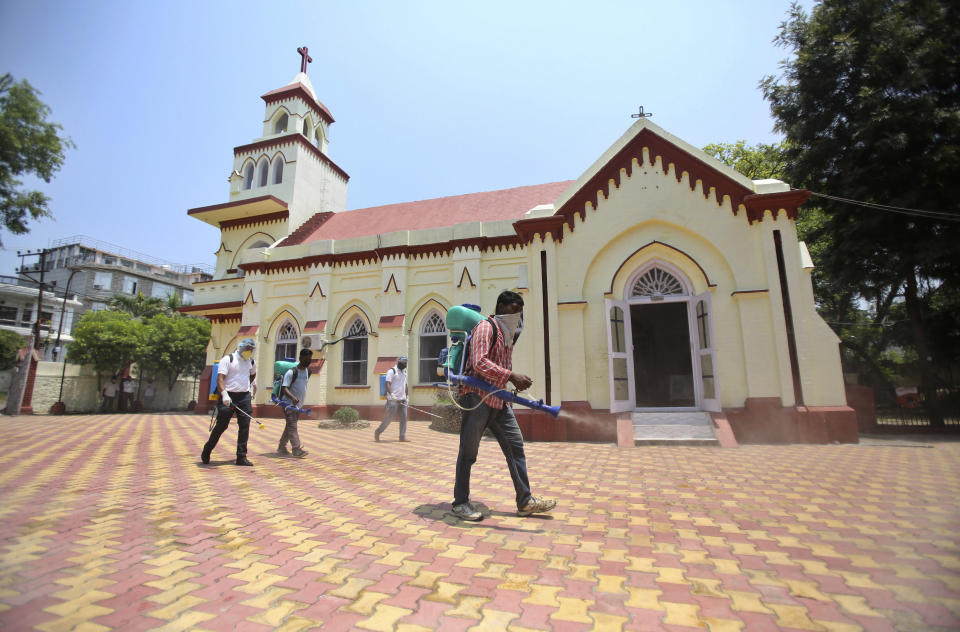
461, 319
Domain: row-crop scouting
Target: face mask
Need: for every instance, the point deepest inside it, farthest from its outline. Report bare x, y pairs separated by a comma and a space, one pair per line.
246, 353
510, 325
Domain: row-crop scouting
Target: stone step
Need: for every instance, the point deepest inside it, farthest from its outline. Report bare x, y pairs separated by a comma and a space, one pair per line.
687, 418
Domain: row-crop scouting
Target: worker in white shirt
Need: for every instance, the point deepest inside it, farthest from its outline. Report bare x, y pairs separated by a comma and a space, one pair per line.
396, 399
235, 380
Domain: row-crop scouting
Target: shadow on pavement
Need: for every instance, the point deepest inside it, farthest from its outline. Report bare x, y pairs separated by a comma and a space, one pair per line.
441, 513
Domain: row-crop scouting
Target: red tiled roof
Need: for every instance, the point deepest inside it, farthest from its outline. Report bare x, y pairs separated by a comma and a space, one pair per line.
490, 206
384, 364
314, 326
391, 321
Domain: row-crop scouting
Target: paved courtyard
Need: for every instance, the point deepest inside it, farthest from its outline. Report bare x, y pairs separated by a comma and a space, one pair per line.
111, 522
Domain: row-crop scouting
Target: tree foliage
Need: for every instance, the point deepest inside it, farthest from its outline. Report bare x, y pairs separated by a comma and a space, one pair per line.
10, 343
140, 307
174, 346
870, 107
108, 340
29, 144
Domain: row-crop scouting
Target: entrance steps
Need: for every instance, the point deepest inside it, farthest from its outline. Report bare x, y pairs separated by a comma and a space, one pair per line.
673, 428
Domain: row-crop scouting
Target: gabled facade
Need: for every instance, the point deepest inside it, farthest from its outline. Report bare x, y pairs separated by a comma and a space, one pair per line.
659, 280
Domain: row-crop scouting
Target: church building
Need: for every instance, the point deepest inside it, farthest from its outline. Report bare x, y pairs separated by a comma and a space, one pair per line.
657, 282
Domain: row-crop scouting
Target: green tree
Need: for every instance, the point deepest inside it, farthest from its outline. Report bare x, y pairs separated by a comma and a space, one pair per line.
871, 112
174, 346
108, 340
866, 343
140, 307
29, 144
10, 343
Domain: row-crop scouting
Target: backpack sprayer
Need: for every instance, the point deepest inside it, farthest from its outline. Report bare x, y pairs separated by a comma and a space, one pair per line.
461, 320
280, 367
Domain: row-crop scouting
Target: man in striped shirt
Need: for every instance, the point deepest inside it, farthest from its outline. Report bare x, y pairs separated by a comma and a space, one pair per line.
491, 360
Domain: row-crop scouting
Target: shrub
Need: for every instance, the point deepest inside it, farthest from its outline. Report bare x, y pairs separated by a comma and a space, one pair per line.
347, 415
10, 343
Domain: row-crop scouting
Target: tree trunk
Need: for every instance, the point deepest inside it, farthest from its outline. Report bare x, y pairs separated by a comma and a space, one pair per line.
927, 379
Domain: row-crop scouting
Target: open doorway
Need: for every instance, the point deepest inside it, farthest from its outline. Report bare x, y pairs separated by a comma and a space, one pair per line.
662, 367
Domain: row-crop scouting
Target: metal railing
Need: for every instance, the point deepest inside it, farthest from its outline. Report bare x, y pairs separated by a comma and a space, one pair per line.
120, 251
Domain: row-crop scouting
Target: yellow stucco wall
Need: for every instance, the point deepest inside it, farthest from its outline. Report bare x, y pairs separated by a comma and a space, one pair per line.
650, 218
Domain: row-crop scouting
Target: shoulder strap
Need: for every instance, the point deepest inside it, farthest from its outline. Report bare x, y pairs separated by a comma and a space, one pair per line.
496, 332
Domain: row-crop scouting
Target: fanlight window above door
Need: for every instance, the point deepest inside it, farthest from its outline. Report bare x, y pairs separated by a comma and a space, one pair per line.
657, 282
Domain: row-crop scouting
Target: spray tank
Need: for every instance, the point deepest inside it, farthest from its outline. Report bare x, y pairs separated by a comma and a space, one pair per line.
461, 320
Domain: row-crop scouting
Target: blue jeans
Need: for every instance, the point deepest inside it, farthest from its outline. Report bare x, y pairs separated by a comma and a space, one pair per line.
504, 427
394, 409
242, 402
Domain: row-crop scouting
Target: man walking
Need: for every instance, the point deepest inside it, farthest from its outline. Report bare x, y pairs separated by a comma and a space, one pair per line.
491, 359
396, 399
109, 395
293, 389
235, 374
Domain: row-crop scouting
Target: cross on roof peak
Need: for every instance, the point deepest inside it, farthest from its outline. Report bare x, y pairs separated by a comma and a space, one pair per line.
305, 58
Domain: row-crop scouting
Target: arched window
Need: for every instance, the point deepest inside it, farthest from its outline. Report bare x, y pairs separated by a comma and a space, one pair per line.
281, 125
657, 282
278, 170
355, 355
286, 348
248, 176
307, 127
262, 179
433, 338
318, 139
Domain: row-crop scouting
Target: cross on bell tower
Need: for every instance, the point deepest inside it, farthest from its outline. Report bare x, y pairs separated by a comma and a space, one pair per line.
305, 58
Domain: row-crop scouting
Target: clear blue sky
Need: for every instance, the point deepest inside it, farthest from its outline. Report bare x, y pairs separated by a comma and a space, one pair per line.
430, 98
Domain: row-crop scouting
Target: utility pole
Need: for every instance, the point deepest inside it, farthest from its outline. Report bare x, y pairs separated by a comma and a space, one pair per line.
43, 252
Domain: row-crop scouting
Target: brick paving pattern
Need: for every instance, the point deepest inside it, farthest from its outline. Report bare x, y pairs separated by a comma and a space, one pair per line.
111, 523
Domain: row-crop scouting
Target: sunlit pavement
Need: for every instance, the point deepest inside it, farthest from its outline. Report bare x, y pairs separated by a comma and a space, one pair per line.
112, 523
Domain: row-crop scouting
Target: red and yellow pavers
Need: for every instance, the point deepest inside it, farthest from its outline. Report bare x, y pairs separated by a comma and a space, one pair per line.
111, 522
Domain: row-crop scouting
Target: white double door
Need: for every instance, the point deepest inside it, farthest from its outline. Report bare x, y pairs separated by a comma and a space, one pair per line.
661, 354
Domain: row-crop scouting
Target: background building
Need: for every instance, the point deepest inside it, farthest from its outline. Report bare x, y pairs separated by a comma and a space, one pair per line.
18, 313
96, 271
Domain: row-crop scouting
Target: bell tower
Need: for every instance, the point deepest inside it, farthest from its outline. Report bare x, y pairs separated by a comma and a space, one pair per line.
290, 160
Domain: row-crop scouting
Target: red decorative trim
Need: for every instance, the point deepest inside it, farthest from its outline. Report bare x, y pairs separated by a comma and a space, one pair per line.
789, 201
267, 218
248, 330
232, 271
669, 153
624, 262
296, 137
317, 288
384, 364
306, 229
224, 318
314, 326
391, 321
528, 228
749, 292
466, 275
303, 263
393, 282
245, 202
203, 308
298, 90
316, 365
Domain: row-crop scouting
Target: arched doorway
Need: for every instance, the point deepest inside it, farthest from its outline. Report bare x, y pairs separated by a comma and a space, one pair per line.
660, 344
